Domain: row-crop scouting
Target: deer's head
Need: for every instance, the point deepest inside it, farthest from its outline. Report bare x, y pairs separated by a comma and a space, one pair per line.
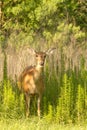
41, 56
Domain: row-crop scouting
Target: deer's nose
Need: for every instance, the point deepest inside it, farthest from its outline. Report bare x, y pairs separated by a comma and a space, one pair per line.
42, 64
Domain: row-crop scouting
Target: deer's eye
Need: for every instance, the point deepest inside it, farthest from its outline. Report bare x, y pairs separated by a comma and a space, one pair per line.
44, 56
36, 55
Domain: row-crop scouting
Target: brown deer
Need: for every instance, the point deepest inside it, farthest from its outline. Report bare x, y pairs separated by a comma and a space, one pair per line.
31, 79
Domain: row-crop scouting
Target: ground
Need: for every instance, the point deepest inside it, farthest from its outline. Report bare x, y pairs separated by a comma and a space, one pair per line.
36, 124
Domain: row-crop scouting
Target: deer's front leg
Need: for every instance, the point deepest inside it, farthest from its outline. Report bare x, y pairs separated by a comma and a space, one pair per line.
38, 105
27, 101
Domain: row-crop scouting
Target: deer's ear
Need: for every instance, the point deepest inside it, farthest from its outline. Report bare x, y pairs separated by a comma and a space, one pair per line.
32, 51
50, 51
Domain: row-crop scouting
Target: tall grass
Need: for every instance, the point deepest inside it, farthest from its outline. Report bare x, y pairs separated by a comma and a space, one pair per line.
64, 99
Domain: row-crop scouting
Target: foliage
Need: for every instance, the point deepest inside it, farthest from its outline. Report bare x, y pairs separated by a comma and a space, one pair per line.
40, 17
41, 25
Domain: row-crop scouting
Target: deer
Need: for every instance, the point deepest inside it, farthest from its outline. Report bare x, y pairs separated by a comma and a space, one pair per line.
31, 80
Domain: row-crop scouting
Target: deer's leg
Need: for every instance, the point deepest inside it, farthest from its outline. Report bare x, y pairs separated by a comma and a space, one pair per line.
27, 101
38, 105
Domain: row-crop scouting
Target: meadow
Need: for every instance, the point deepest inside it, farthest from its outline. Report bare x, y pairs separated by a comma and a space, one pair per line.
35, 124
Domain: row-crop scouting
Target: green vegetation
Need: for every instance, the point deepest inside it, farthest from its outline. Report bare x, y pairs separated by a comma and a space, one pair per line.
23, 21
43, 24
63, 102
36, 124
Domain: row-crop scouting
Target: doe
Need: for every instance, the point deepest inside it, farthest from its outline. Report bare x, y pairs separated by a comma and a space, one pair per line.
31, 79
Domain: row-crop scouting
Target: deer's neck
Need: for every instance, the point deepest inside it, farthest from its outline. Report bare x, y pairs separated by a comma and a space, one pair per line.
39, 72
39, 69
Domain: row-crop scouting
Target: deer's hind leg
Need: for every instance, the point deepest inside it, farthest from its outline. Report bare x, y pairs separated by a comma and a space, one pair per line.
27, 103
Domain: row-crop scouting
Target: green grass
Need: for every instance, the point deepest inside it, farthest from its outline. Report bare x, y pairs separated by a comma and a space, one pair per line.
36, 124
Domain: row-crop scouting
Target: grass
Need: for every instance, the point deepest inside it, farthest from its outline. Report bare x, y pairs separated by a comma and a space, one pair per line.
36, 124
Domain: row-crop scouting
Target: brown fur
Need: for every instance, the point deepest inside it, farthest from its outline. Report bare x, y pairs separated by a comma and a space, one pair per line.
31, 79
